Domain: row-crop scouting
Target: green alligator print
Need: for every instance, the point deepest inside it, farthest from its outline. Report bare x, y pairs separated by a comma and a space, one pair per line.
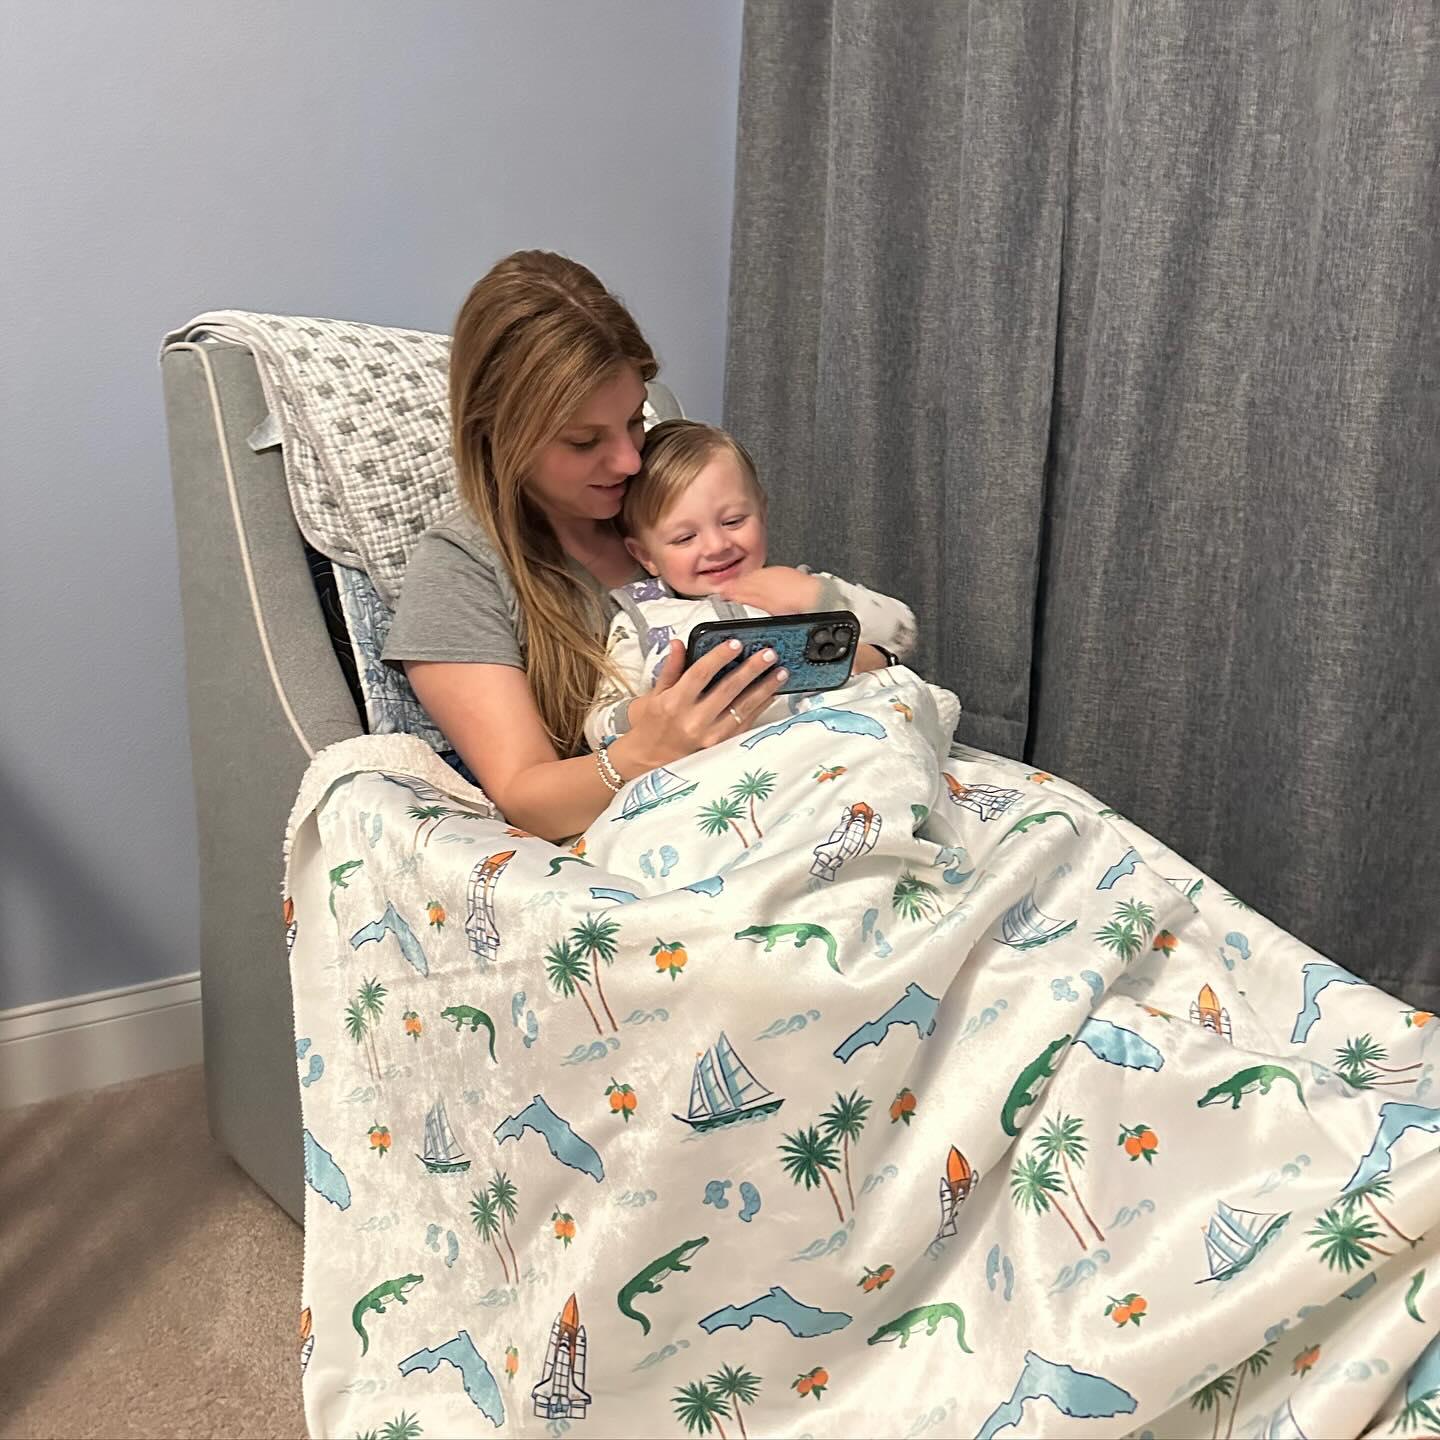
375, 1300
1025, 823
903, 1326
339, 878
647, 1282
803, 933
560, 860
1024, 1092
464, 1015
1244, 1082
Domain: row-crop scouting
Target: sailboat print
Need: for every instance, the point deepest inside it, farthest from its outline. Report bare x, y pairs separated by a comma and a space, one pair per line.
722, 1090
1025, 925
443, 1155
653, 789
1234, 1238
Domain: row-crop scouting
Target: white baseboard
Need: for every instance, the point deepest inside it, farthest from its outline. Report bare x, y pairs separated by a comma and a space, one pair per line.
82, 1043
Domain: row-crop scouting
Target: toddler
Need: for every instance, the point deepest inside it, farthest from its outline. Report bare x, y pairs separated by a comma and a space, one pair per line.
694, 517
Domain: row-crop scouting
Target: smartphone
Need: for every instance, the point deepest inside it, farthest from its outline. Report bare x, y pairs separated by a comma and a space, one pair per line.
818, 649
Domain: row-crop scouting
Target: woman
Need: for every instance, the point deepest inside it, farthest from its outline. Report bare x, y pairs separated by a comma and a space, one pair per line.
501, 623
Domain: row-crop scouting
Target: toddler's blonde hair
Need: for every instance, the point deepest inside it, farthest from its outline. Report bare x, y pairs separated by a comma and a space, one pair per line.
674, 453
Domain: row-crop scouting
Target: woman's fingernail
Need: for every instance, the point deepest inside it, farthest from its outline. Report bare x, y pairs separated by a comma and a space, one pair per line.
782, 676
734, 644
771, 657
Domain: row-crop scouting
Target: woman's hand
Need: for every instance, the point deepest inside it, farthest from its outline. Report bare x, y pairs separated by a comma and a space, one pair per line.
777, 589
675, 719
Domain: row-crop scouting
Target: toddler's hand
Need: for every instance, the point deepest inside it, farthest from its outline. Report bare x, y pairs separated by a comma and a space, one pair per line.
777, 589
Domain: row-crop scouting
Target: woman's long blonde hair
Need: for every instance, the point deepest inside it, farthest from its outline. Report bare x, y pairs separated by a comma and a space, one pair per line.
532, 341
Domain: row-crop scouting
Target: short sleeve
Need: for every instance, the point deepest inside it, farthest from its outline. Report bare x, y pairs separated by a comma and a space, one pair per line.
452, 606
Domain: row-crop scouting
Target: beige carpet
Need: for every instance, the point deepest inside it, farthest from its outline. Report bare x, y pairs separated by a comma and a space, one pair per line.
150, 1288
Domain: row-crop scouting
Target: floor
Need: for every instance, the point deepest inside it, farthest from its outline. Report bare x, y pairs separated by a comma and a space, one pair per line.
150, 1287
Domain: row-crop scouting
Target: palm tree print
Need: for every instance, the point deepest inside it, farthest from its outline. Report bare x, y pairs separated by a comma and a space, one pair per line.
362, 1018
1251, 1365
722, 815
844, 1120
1420, 1411
755, 785
1358, 1060
913, 898
1034, 1185
809, 1157
1121, 937
405, 1427
569, 974
358, 1030
1346, 1241
596, 935
700, 1408
1379, 1186
1063, 1139
426, 815
1208, 1397
739, 1387
504, 1193
487, 1221
1136, 913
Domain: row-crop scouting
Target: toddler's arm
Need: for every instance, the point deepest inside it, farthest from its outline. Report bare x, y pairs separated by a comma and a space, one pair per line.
883, 619
609, 714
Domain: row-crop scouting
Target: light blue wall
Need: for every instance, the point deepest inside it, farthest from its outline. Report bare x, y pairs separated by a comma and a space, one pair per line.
336, 157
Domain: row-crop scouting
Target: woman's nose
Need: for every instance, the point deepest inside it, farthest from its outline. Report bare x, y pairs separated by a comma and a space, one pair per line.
625, 459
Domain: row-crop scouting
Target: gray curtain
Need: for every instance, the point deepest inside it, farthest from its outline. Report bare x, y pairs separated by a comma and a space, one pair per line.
1106, 334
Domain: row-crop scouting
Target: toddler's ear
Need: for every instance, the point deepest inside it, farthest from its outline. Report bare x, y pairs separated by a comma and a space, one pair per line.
638, 553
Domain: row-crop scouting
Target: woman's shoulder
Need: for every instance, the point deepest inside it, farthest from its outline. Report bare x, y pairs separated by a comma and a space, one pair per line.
458, 529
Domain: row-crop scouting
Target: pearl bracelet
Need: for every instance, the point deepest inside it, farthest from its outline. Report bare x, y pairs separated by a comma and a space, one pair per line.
608, 773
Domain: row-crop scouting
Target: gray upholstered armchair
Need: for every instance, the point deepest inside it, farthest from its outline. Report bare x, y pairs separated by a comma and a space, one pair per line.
270, 681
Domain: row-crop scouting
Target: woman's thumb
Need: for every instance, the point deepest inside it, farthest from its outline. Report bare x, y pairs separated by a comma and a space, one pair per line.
673, 667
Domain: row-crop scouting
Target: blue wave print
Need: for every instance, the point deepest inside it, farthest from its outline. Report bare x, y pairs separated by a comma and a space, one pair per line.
595, 1050
875, 1181
792, 1026
636, 1199
668, 1352
1129, 1214
1087, 1269
816, 1249
644, 1017
976, 1023
1287, 1172
1194, 1383
495, 1299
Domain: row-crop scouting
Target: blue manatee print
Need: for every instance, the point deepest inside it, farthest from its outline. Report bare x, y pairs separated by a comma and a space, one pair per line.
647, 865
715, 1194
1009, 1272
432, 1237
750, 1201
314, 1073
452, 1250
1235, 949
1062, 989
301, 1046
669, 859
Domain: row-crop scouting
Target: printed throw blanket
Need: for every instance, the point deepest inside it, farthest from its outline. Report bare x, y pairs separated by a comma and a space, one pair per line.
835, 1085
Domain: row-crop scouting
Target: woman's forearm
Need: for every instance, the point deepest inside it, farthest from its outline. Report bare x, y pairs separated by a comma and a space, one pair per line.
556, 799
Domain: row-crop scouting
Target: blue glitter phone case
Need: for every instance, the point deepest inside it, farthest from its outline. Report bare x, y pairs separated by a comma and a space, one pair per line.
817, 649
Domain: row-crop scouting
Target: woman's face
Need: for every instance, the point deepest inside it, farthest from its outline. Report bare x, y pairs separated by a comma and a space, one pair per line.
581, 473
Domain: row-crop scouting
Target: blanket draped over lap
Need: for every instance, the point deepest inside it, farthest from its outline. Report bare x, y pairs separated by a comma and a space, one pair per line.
836, 1084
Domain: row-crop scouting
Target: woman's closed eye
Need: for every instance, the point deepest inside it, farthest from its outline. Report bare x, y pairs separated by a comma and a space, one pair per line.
589, 444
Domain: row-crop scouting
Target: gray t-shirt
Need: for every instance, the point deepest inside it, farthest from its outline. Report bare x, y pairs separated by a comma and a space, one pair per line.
458, 602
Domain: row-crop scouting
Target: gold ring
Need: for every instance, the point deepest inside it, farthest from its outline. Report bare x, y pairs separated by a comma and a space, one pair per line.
736, 716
